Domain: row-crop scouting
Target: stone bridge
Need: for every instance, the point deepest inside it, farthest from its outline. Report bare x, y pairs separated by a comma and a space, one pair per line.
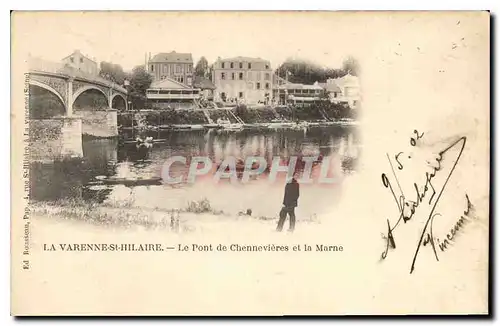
68, 83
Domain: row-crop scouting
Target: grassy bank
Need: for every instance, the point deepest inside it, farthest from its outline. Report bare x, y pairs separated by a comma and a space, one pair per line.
124, 214
265, 114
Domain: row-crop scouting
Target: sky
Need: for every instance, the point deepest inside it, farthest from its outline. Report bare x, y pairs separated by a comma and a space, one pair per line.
125, 37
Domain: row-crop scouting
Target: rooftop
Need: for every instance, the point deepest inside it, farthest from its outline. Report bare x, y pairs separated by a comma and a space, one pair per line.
244, 59
80, 53
299, 86
332, 87
172, 57
347, 80
168, 83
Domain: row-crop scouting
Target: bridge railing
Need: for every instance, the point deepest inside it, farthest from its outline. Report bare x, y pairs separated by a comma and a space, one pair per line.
37, 64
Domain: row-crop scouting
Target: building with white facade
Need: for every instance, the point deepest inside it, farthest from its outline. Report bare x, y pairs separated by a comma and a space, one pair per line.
298, 94
172, 65
345, 89
242, 80
169, 93
80, 62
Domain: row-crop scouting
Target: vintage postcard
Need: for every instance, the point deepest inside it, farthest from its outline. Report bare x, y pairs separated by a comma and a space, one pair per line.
250, 163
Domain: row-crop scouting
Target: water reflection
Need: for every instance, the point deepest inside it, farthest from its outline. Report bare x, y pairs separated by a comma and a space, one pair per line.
79, 179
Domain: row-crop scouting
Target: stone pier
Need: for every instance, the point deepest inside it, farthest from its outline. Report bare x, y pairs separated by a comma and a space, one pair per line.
112, 122
71, 137
99, 123
56, 138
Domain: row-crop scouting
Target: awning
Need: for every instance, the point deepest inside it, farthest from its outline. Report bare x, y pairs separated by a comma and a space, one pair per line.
304, 99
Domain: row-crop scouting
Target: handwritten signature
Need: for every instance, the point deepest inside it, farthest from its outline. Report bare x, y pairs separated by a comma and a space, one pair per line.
407, 208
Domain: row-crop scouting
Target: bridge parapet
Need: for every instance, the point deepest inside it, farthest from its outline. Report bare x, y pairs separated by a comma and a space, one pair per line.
37, 65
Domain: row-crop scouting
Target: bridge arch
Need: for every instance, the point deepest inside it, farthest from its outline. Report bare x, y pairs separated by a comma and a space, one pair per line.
48, 88
83, 89
122, 96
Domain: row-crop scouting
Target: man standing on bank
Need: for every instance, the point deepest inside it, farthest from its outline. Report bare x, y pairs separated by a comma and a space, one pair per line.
289, 203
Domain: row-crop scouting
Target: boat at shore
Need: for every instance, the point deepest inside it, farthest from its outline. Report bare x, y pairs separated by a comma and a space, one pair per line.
301, 125
233, 126
211, 126
153, 141
348, 122
254, 126
225, 124
131, 182
281, 124
183, 127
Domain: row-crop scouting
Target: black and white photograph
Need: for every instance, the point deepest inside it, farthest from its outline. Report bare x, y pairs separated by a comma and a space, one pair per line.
250, 163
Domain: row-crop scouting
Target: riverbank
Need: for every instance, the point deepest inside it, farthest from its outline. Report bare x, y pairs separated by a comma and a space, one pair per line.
236, 126
195, 217
241, 116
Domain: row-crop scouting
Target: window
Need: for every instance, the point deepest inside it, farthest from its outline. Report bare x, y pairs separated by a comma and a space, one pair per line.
249, 65
257, 85
177, 68
241, 65
223, 96
267, 85
181, 79
335, 94
81, 60
232, 65
249, 76
232, 75
72, 59
241, 94
267, 66
241, 76
267, 76
222, 76
258, 75
152, 68
222, 66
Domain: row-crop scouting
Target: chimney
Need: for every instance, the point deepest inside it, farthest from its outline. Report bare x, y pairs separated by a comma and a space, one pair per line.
149, 56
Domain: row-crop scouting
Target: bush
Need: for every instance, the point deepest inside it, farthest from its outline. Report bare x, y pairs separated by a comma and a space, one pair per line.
198, 207
285, 112
125, 119
338, 111
164, 117
222, 114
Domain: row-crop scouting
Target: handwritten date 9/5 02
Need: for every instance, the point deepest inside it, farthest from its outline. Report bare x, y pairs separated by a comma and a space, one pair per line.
431, 193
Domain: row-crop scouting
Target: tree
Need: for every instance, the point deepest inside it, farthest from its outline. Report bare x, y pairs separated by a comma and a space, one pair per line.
306, 72
351, 65
241, 111
201, 68
140, 81
112, 72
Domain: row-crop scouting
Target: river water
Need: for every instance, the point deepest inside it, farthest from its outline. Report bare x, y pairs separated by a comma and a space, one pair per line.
109, 158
